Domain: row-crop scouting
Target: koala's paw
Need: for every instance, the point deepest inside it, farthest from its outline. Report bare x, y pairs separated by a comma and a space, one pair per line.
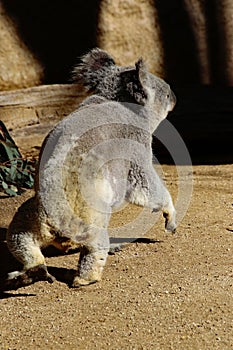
170, 225
17, 279
80, 282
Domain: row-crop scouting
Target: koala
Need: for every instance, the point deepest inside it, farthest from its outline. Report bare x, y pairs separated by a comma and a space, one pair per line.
93, 161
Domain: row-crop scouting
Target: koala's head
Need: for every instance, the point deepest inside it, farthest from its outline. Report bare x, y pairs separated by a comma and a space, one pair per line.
99, 74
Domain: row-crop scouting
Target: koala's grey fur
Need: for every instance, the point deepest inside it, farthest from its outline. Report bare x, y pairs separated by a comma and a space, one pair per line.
93, 160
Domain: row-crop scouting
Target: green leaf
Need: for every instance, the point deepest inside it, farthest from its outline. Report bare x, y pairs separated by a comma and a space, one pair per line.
16, 173
4, 185
11, 192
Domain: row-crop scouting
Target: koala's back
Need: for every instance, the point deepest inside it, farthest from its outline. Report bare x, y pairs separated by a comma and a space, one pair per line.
83, 162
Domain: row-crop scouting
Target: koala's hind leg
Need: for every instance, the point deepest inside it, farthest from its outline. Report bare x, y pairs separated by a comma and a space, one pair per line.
27, 251
24, 240
92, 259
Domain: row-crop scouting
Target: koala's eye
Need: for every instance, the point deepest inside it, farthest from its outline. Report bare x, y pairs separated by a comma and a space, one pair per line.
168, 96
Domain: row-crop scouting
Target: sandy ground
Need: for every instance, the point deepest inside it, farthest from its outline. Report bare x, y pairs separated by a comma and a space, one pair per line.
170, 292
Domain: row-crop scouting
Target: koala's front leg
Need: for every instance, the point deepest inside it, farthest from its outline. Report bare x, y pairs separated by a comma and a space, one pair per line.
169, 213
147, 189
92, 260
159, 198
163, 202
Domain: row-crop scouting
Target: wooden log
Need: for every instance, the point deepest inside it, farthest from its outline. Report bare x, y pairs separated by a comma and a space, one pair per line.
203, 117
30, 113
38, 104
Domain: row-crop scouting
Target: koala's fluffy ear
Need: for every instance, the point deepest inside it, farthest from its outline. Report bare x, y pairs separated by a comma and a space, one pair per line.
135, 81
92, 68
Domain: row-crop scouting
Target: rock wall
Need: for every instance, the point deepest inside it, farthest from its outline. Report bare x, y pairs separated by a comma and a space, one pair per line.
18, 67
186, 42
224, 25
129, 29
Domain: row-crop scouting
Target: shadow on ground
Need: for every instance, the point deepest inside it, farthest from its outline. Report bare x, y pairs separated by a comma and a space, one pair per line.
8, 263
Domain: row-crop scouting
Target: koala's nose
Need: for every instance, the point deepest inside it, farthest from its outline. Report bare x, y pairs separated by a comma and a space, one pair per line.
173, 99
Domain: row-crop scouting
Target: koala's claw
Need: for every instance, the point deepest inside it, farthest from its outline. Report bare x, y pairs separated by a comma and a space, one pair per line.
170, 229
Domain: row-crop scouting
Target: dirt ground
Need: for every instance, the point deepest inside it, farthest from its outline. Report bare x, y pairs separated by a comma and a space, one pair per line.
170, 292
